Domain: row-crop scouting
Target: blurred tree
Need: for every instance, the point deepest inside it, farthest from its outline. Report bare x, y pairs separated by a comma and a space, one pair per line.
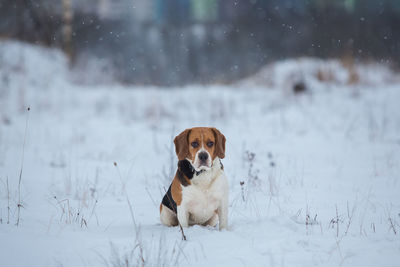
178, 41
204, 10
67, 28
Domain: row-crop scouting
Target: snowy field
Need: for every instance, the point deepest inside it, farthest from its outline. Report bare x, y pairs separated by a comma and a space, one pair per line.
314, 178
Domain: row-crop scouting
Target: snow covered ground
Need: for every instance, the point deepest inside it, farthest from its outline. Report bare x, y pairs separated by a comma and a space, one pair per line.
320, 171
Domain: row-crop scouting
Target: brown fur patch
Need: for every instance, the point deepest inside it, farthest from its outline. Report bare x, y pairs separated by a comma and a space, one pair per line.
182, 145
219, 143
176, 191
182, 178
202, 136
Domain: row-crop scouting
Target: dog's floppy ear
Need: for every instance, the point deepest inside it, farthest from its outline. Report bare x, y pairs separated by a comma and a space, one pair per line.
182, 144
219, 143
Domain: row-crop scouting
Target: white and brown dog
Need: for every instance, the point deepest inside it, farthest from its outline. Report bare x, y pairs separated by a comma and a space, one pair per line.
199, 191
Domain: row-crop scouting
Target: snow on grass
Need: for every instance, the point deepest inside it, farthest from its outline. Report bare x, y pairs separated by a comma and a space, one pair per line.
314, 178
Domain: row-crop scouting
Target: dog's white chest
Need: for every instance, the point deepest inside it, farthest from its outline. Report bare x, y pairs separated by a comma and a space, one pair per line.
203, 198
201, 205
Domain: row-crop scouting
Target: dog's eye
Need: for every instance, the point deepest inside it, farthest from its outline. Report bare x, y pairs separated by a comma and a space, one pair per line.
210, 144
195, 144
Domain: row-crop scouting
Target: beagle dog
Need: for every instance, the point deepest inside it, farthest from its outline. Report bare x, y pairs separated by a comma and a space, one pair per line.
199, 191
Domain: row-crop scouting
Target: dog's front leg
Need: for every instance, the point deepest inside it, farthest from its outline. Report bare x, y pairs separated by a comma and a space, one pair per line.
183, 216
223, 214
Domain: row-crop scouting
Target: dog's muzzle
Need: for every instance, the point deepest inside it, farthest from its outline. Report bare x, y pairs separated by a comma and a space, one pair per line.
203, 160
203, 157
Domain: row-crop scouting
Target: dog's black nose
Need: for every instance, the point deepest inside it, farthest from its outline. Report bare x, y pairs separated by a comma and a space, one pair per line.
203, 156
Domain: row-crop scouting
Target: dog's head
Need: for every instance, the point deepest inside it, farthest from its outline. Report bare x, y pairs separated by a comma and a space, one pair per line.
200, 146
